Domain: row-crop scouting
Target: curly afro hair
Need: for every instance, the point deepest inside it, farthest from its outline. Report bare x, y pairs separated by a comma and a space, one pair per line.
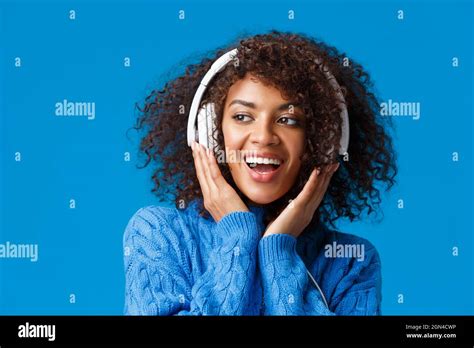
293, 64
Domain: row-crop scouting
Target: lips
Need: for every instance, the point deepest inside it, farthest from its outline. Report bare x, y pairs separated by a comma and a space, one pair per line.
263, 167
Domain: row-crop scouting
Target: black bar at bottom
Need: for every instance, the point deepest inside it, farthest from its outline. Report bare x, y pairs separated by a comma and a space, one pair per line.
416, 330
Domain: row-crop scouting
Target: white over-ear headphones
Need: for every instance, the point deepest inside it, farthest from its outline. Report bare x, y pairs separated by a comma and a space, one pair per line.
203, 131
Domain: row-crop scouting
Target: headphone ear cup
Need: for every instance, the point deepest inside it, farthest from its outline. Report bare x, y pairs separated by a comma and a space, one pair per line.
211, 122
202, 137
207, 126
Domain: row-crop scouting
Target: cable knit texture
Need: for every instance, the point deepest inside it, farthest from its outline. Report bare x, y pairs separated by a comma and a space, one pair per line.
179, 263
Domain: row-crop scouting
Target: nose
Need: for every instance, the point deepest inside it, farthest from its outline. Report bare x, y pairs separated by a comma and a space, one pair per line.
263, 134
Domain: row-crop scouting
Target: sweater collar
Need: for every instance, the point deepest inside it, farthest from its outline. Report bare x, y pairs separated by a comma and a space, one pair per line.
315, 234
257, 210
259, 213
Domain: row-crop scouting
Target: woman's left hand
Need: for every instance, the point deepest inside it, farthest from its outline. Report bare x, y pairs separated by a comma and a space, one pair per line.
299, 213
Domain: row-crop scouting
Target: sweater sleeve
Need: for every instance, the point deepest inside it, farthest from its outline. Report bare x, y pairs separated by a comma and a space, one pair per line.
288, 289
159, 280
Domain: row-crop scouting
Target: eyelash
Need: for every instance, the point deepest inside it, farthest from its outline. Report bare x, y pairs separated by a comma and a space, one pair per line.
296, 121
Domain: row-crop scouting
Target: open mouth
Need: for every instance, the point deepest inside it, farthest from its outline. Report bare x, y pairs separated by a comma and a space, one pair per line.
263, 165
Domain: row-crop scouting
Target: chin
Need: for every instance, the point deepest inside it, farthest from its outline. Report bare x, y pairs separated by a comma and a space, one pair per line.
262, 197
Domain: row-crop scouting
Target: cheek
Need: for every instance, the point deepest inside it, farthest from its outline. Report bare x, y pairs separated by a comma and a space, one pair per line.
296, 146
233, 139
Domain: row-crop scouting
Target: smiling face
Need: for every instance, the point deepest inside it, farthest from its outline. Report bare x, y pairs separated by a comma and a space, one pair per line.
269, 130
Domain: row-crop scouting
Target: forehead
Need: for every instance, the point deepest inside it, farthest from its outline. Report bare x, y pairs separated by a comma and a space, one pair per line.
254, 90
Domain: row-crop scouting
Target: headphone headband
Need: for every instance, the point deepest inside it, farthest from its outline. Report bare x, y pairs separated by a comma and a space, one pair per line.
216, 67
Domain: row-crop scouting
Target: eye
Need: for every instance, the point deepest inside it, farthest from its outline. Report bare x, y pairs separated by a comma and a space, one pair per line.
242, 118
289, 121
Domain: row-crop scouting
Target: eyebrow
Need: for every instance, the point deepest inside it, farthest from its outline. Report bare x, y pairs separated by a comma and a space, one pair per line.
253, 106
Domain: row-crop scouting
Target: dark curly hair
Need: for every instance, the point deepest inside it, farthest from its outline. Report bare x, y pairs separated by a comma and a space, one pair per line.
291, 63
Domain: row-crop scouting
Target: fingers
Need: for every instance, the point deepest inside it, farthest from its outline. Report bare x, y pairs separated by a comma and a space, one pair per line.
207, 165
205, 156
317, 184
214, 171
310, 187
198, 164
323, 182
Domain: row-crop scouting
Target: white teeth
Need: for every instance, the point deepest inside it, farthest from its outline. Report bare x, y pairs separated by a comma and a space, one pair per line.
262, 160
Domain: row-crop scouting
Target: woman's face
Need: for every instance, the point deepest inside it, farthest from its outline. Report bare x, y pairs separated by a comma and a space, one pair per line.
265, 132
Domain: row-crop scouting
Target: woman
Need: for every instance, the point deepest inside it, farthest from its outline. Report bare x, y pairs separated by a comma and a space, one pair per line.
255, 236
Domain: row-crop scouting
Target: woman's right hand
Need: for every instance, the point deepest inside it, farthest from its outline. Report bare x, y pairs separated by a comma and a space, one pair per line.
219, 197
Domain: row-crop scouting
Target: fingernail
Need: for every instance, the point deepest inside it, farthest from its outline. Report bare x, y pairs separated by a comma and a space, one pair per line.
318, 171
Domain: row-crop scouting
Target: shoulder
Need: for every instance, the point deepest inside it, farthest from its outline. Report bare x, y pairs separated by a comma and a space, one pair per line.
339, 253
327, 245
354, 261
159, 225
350, 247
148, 219
164, 224
156, 233
349, 239
343, 261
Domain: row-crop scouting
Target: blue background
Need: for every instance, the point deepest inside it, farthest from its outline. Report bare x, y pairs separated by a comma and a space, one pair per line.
63, 158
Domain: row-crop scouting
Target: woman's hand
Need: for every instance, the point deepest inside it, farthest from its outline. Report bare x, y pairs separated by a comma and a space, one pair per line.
298, 214
219, 197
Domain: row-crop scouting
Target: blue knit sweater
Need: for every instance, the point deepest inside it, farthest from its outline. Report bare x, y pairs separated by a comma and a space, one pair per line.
179, 263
